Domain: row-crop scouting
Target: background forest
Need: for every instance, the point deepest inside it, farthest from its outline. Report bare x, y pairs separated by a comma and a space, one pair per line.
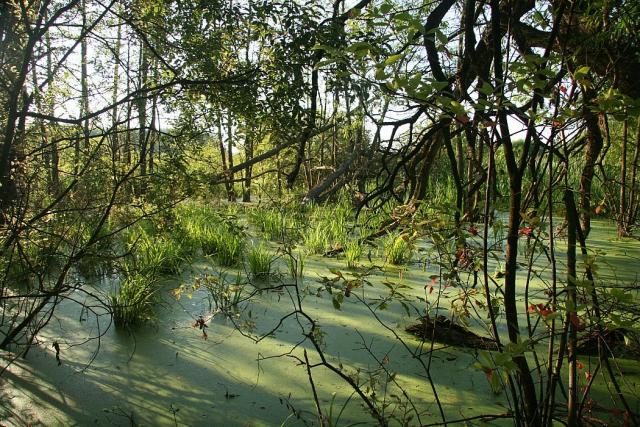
486, 147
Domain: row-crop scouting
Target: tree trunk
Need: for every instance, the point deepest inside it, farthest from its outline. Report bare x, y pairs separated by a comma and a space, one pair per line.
143, 62
53, 148
231, 195
115, 149
84, 89
127, 139
592, 152
633, 205
248, 152
223, 154
152, 135
572, 224
624, 215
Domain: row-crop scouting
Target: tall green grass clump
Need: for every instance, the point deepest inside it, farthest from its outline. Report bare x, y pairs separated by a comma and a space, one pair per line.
156, 254
260, 261
277, 225
134, 301
352, 252
213, 233
398, 248
159, 254
329, 228
316, 240
224, 243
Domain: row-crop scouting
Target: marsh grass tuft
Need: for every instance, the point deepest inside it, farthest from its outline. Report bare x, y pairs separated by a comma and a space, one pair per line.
352, 252
155, 254
398, 248
315, 239
260, 260
328, 228
215, 234
134, 301
277, 224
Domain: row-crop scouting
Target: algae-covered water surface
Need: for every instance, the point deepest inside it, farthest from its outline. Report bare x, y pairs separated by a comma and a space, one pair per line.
251, 362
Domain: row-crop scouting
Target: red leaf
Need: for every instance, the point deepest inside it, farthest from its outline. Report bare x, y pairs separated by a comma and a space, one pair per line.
563, 89
489, 373
575, 321
544, 312
463, 118
525, 231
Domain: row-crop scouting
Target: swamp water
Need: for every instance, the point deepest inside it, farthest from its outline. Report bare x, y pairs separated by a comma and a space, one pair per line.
168, 374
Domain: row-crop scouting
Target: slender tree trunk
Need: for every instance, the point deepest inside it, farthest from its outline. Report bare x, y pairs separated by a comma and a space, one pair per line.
8, 190
633, 206
525, 380
572, 224
115, 149
248, 151
153, 134
592, 152
47, 108
127, 139
53, 145
231, 193
623, 229
334, 130
223, 154
84, 89
143, 62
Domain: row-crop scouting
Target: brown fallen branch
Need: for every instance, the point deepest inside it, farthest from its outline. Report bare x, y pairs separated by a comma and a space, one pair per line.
443, 331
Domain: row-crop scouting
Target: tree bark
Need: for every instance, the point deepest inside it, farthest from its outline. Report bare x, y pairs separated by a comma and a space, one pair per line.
143, 63
592, 152
248, 154
231, 195
624, 215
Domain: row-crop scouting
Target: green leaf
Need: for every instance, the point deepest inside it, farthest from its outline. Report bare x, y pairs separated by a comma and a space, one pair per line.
381, 74
456, 107
336, 303
386, 7
324, 63
402, 17
359, 46
393, 59
581, 72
